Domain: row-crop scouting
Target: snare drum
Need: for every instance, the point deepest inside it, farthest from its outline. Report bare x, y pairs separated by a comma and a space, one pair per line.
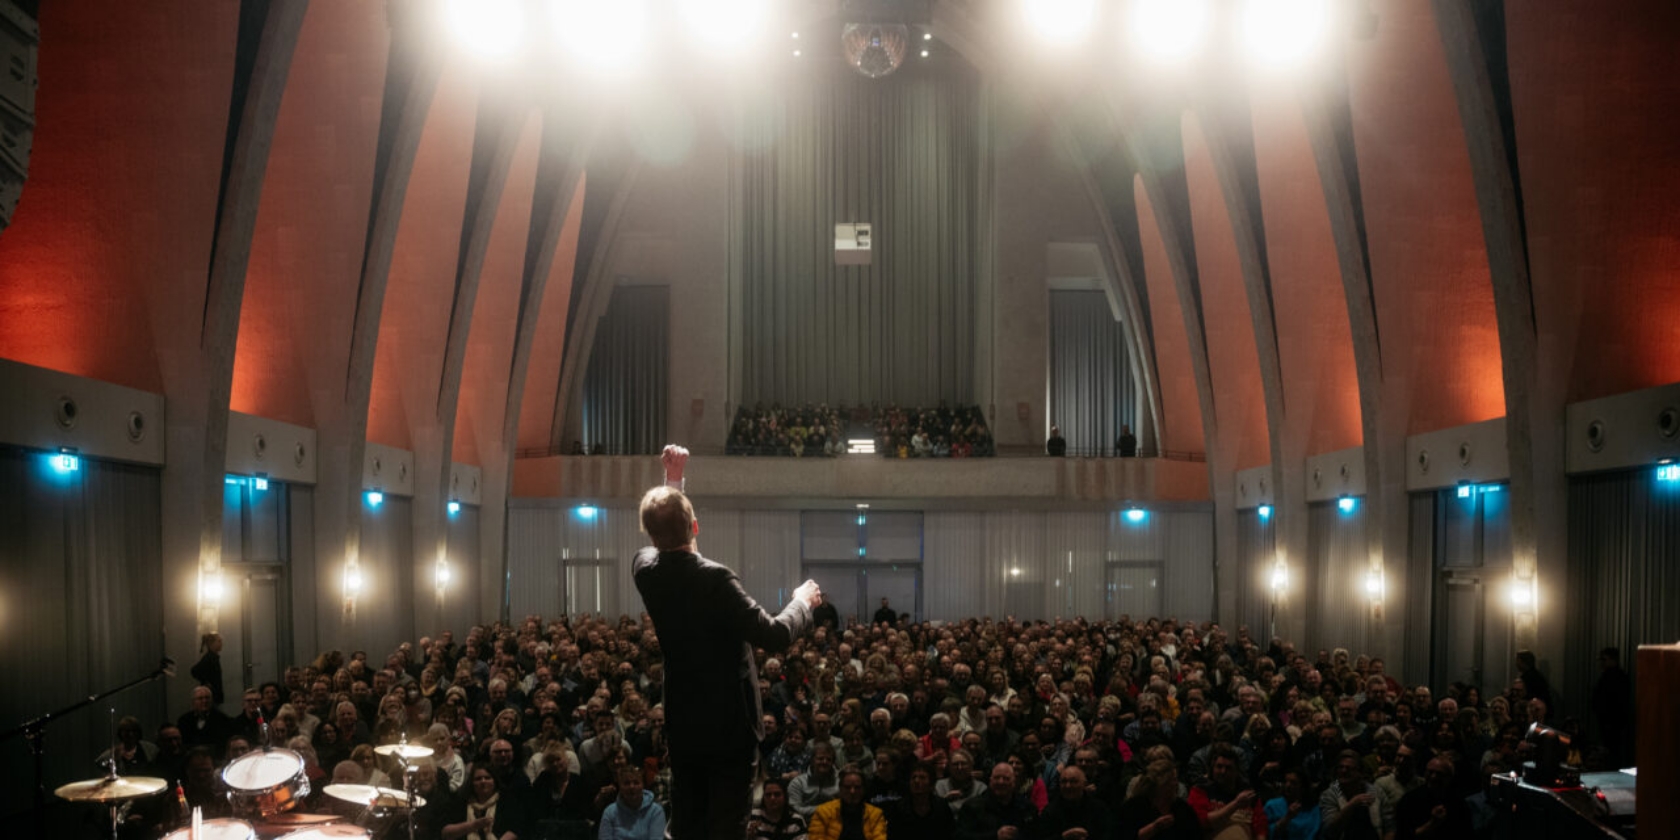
336, 831
216, 830
262, 784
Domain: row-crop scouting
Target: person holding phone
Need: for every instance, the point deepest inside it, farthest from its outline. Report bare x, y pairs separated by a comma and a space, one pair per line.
1349, 808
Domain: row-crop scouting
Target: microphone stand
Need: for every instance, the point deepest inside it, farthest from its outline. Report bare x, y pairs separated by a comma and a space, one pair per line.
34, 732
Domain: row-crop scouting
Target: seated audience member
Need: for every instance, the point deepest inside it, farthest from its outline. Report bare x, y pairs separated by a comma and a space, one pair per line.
1349, 807
1294, 815
1155, 810
204, 725
773, 819
816, 785
1225, 805
1000, 807
633, 815
920, 814
481, 814
1074, 809
848, 816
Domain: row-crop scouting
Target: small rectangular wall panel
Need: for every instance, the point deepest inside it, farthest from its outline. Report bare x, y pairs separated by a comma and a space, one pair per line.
1334, 474
46, 410
282, 451
1635, 429
1254, 487
466, 484
1476, 453
389, 469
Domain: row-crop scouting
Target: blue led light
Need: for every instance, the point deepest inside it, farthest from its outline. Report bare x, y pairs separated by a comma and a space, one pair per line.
375, 498
1464, 491
860, 551
862, 519
1668, 472
1136, 515
1492, 488
454, 507
1347, 504
259, 483
1265, 511
65, 462
586, 511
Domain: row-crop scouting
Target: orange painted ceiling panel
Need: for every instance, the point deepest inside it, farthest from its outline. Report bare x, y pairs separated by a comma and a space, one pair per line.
484, 384
542, 378
1440, 341
1320, 382
1596, 97
105, 262
306, 256
414, 325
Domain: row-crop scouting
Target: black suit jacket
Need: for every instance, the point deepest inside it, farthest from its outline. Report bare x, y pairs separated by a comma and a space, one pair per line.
707, 627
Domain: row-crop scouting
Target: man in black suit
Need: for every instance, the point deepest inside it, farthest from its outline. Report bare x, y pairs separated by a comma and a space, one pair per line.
707, 626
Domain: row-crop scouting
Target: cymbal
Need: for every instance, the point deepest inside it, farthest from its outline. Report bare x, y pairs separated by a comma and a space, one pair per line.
111, 790
404, 750
369, 796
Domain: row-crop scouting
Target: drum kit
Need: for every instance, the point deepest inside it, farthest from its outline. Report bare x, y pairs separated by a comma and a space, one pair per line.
264, 789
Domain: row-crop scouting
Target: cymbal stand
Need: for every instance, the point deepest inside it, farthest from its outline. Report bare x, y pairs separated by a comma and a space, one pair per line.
35, 729
407, 770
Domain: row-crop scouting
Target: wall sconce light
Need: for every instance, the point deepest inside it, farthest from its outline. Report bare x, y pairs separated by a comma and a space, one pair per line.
352, 580
210, 588
442, 574
1374, 585
1524, 594
1280, 579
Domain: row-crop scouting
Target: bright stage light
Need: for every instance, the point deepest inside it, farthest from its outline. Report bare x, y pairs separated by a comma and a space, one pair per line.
601, 36
586, 511
725, 27
1347, 504
1522, 594
489, 29
375, 498
65, 461
1265, 511
1136, 515
1169, 30
1284, 33
453, 507
1060, 21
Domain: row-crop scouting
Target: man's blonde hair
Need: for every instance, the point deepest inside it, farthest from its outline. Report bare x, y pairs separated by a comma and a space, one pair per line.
667, 518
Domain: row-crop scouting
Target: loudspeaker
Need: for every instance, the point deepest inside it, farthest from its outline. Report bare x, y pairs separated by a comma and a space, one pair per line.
20, 37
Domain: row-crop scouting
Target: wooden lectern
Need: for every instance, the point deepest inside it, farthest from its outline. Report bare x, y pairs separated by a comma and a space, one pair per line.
1659, 733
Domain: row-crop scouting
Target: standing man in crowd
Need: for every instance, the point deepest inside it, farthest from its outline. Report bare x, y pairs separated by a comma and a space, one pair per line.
707, 626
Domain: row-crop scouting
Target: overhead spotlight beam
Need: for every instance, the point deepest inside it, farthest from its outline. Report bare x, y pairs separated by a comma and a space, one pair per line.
1166, 31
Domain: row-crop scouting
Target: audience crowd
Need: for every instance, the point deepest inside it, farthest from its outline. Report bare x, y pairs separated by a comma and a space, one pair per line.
988, 729
940, 432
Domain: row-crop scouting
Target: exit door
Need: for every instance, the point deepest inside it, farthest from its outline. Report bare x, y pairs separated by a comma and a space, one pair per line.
265, 628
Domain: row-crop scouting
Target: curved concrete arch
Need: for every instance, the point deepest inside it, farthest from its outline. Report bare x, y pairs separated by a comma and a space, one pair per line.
1473, 35
251, 136
591, 305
